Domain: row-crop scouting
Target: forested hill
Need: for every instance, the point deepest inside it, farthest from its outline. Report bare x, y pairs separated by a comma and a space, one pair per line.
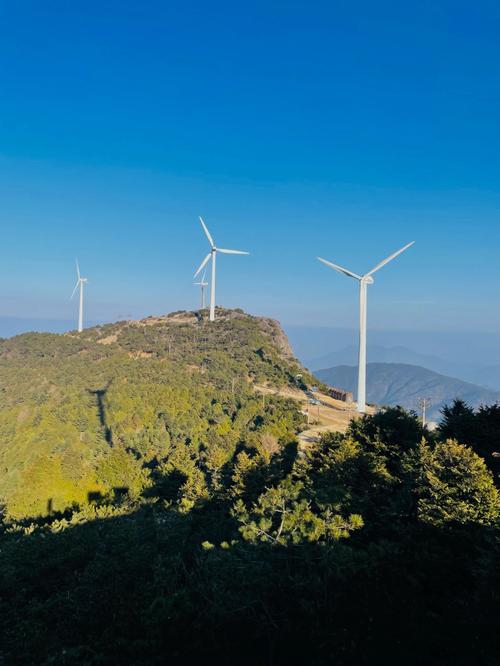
158, 509
83, 414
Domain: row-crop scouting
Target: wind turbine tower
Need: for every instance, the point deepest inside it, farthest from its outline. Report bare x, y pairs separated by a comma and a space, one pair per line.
213, 256
79, 283
202, 286
364, 281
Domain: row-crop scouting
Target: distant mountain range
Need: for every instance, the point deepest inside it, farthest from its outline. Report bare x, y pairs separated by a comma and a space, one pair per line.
475, 373
377, 354
403, 384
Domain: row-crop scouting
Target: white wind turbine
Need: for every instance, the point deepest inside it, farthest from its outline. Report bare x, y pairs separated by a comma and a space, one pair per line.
363, 280
79, 283
213, 255
202, 286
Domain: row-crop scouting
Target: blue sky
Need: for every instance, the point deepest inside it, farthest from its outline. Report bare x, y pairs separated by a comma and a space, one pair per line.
344, 129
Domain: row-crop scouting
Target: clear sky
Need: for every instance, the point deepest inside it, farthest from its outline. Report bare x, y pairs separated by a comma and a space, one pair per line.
344, 129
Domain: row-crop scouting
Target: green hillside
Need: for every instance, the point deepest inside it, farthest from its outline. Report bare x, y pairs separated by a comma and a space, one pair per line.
82, 414
157, 509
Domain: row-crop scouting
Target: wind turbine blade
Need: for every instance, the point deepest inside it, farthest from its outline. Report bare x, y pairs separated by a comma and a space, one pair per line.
76, 287
390, 258
231, 251
77, 269
207, 233
339, 268
203, 264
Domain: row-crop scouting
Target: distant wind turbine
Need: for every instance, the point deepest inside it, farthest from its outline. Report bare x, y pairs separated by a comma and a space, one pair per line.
213, 255
363, 280
79, 283
202, 286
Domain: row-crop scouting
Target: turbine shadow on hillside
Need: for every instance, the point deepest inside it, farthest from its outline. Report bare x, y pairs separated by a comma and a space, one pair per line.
100, 397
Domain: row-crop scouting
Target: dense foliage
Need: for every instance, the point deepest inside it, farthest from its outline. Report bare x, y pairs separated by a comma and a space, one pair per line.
185, 524
479, 428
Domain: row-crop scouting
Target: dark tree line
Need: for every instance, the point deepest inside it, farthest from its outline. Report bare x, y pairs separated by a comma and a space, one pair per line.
378, 546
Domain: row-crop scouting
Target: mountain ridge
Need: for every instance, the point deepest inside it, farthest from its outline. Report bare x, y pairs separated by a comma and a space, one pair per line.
403, 384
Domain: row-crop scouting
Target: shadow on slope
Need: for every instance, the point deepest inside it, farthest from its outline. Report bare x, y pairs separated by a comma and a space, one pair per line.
145, 587
100, 397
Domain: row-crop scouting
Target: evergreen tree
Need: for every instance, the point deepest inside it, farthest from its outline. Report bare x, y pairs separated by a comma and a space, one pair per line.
455, 486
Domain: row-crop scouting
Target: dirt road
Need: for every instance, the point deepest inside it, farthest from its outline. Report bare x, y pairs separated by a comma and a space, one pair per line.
329, 415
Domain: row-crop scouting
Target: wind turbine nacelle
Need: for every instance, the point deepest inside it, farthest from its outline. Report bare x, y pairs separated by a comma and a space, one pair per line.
368, 279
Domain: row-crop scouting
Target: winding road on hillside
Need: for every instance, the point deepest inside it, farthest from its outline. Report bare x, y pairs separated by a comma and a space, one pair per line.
329, 415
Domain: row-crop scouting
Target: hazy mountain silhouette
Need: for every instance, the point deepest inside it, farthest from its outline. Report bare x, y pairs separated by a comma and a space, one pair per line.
474, 356
378, 354
403, 384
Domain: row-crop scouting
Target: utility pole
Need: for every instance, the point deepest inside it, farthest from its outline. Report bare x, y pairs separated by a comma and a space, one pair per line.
423, 403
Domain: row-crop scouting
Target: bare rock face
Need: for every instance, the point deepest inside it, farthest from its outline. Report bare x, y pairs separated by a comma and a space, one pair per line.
273, 329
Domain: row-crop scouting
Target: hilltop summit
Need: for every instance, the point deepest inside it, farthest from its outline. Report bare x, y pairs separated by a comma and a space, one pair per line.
198, 319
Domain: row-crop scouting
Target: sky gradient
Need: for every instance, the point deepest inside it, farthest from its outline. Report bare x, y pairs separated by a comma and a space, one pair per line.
337, 129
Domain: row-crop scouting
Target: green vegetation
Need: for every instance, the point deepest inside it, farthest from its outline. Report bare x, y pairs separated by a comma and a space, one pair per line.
81, 415
157, 510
